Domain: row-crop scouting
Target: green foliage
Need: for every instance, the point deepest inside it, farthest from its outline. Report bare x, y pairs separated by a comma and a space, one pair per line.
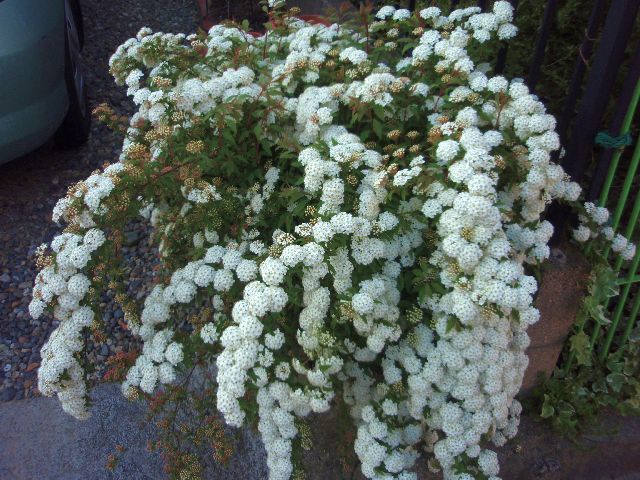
602, 286
571, 401
579, 345
584, 385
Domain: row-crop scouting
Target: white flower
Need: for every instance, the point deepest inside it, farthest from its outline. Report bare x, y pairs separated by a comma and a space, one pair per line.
166, 373
430, 12
246, 270
385, 12
209, 333
223, 280
173, 353
582, 233
497, 84
629, 252
447, 151
619, 243
353, 55
272, 271
362, 303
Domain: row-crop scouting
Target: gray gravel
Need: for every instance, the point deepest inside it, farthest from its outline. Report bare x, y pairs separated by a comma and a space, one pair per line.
30, 186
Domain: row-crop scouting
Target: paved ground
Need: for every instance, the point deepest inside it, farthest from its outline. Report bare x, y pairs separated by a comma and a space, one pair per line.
40, 442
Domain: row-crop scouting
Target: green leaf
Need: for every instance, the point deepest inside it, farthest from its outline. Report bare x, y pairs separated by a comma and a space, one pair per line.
438, 288
579, 345
596, 310
616, 380
452, 323
599, 386
379, 112
547, 408
425, 292
604, 283
615, 365
377, 127
566, 410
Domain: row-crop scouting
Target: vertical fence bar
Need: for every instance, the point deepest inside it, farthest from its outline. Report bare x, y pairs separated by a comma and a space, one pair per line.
620, 124
608, 58
609, 159
633, 270
541, 44
617, 216
615, 160
579, 69
629, 231
626, 190
635, 309
412, 5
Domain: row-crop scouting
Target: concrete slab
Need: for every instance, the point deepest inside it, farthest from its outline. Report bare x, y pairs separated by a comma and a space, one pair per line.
38, 441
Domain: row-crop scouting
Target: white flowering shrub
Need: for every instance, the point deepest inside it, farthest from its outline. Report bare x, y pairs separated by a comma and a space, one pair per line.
353, 206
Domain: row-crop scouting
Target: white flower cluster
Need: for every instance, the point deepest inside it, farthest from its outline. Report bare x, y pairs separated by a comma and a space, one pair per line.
202, 194
159, 355
593, 224
257, 199
364, 257
241, 340
87, 197
64, 286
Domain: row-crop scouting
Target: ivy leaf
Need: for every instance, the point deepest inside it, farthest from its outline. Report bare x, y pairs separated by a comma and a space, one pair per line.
615, 365
628, 369
616, 380
599, 314
604, 283
547, 408
579, 344
600, 386
566, 410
